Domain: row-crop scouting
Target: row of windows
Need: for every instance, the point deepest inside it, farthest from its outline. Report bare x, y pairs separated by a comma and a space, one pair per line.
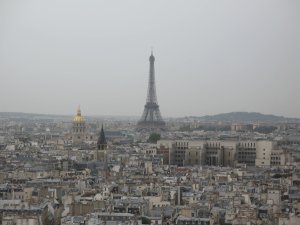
246, 149
212, 152
150, 152
181, 144
78, 130
251, 145
213, 144
179, 152
246, 153
275, 158
244, 157
182, 147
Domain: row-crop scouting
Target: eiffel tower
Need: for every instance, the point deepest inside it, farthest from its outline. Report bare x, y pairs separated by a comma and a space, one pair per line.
151, 118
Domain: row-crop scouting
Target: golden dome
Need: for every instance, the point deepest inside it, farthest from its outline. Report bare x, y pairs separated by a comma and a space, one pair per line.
78, 118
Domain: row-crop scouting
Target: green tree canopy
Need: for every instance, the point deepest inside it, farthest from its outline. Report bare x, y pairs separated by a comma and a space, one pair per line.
154, 137
146, 220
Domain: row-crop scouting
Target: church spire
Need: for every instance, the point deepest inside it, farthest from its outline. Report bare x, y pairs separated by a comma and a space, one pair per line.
101, 143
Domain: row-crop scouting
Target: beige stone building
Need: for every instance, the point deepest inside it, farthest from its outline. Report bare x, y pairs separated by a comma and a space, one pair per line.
263, 153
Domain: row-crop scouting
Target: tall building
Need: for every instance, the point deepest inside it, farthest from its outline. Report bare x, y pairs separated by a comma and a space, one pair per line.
151, 118
79, 128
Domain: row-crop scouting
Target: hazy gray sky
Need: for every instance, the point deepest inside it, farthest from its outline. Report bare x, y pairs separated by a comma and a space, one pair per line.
211, 56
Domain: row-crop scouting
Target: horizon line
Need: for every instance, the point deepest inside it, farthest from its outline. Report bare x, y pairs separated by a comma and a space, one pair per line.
95, 115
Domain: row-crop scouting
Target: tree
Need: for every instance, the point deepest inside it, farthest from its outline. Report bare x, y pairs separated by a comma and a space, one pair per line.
265, 129
154, 137
145, 220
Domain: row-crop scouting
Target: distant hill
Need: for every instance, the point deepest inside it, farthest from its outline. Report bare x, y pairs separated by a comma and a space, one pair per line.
247, 117
244, 117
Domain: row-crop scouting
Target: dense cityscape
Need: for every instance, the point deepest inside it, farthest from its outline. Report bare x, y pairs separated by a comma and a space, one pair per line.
149, 112
230, 169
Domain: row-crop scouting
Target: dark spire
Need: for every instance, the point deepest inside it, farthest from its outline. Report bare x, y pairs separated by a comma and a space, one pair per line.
101, 143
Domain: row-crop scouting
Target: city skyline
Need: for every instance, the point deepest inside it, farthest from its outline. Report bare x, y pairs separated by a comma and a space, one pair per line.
210, 58
149, 112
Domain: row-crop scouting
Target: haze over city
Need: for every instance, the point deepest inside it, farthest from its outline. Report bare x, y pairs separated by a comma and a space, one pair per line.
149, 112
210, 57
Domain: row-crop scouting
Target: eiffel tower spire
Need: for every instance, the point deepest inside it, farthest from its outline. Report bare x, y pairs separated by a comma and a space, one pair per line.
151, 118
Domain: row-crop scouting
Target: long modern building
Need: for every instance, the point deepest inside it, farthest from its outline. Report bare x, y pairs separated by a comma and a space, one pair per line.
221, 153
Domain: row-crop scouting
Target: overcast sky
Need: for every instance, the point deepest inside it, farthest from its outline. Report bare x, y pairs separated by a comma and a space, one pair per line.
211, 56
